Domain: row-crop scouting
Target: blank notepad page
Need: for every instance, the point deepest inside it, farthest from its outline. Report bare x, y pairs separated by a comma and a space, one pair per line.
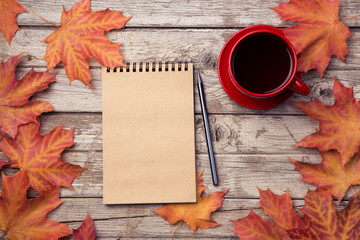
148, 134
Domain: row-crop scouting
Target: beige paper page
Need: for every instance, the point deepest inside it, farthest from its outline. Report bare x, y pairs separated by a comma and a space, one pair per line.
148, 135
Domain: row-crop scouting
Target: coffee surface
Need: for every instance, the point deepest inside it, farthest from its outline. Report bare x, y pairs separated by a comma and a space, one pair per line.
262, 63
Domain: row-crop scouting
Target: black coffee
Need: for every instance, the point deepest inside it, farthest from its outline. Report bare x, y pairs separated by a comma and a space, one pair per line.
262, 63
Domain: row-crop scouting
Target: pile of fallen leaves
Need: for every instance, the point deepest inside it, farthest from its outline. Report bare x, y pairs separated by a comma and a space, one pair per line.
317, 36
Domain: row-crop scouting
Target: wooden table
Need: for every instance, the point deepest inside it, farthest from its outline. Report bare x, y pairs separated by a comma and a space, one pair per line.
252, 147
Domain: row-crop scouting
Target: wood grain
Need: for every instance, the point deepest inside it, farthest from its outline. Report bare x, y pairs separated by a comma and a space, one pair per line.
140, 222
231, 134
201, 46
252, 147
169, 45
78, 98
242, 173
190, 13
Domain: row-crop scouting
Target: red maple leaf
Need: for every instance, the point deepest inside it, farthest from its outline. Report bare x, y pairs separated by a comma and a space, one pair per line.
254, 227
280, 208
15, 108
86, 231
81, 35
8, 11
326, 222
318, 35
21, 218
339, 123
321, 220
40, 156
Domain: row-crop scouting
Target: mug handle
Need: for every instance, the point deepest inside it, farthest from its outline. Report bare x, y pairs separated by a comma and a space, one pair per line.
299, 86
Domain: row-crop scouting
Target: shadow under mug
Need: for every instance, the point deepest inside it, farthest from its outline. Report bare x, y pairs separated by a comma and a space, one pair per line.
293, 81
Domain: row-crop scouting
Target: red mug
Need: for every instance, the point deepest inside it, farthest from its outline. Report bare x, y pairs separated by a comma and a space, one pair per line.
263, 64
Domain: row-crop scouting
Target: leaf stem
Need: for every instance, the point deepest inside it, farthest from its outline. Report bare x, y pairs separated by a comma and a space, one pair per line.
28, 9
3, 234
349, 18
177, 229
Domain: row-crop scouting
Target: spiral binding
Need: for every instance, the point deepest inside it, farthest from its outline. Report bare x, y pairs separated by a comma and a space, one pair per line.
151, 67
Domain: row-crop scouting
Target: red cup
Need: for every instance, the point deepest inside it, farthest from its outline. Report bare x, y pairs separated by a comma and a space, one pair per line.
293, 82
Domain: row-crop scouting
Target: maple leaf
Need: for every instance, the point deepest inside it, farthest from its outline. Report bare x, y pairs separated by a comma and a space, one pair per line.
15, 108
326, 223
81, 35
86, 231
8, 11
196, 215
319, 33
254, 227
40, 156
319, 210
26, 219
339, 123
330, 174
280, 208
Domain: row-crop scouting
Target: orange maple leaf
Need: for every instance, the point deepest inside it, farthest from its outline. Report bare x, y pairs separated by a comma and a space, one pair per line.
319, 33
8, 11
339, 123
86, 231
196, 215
330, 174
319, 211
40, 156
326, 222
15, 108
26, 219
81, 35
254, 227
280, 208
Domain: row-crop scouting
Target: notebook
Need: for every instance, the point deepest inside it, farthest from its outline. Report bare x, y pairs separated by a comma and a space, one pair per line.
148, 134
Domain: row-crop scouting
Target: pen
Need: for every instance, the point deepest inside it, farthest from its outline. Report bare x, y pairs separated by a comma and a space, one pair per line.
207, 132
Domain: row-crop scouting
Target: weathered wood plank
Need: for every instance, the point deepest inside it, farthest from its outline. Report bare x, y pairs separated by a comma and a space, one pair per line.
242, 173
78, 98
195, 13
232, 134
201, 46
141, 222
252, 147
138, 221
203, 52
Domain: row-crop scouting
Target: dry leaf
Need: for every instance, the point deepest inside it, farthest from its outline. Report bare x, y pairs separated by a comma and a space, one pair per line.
40, 156
319, 210
196, 215
81, 35
326, 223
15, 108
318, 35
280, 208
8, 11
24, 219
254, 227
86, 231
330, 174
339, 123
